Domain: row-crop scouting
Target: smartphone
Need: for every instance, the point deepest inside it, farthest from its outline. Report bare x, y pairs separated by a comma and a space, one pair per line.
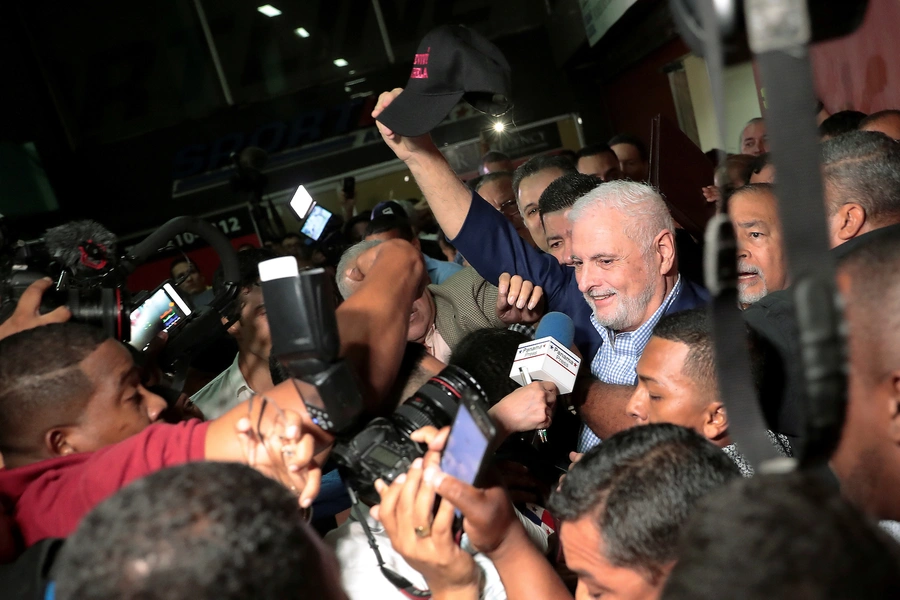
470, 438
163, 310
302, 203
315, 223
349, 187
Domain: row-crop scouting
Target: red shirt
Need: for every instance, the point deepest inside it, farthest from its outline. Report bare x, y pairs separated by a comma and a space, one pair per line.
49, 498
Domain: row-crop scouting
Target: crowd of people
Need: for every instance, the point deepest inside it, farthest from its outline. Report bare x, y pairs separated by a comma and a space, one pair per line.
110, 488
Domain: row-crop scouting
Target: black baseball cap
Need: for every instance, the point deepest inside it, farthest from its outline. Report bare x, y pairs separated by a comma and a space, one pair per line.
389, 209
452, 62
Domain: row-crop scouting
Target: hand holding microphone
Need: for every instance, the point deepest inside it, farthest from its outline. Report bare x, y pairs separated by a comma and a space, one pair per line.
548, 357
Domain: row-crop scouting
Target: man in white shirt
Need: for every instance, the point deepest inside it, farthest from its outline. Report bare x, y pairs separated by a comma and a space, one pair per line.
249, 373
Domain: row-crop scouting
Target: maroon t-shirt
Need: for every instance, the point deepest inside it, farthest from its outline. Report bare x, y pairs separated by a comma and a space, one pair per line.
49, 498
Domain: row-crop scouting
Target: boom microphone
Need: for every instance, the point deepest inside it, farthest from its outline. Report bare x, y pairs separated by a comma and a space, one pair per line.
548, 357
87, 248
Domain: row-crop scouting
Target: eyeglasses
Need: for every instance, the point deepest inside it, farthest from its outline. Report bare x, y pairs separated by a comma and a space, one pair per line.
510, 209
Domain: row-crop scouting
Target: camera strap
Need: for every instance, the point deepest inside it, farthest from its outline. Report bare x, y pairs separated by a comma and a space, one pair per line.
779, 33
747, 425
403, 585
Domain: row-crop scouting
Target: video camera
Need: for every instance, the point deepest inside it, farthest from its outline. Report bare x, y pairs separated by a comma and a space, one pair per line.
89, 277
305, 343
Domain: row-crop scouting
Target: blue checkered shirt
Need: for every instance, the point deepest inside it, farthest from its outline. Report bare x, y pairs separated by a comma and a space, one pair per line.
616, 362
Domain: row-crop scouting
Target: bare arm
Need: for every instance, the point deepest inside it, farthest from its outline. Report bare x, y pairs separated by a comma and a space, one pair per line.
447, 196
373, 325
603, 408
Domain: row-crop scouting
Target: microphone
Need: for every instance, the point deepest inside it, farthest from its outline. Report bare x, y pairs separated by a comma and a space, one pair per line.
87, 248
548, 357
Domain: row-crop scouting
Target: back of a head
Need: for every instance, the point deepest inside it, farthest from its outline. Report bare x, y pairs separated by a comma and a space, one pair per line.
873, 269
595, 149
863, 167
491, 177
384, 224
782, 537
487, 355
840, 123
200, 530
535, 165
640, 486
692, 328
632, 140
347, 258
41, 383
886, 121
645, 212
563, 192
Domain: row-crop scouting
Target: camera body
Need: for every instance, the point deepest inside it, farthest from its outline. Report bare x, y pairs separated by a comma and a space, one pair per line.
383, 449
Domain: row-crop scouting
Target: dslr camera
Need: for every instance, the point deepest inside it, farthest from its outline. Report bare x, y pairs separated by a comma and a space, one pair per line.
305, 346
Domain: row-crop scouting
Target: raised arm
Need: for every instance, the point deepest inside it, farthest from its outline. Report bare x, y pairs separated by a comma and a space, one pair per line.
483, 235
447, 196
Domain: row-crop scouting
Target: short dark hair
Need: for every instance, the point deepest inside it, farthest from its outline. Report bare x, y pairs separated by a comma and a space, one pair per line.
200, 530
874, 271
640, 486
494, 156
632, 140
782, 536
841, 122
864, 167
537, 164
875, 117
248, 267
595, 149
488, 178
383, 224
563, 192
41, 380
177, 261
757, 165
692, 328
487, 355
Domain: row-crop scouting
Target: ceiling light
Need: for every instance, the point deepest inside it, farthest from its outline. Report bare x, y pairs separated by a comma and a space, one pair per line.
406, 178
268, 10
340, 62
579, 120
351, 72
302, 32
499, 126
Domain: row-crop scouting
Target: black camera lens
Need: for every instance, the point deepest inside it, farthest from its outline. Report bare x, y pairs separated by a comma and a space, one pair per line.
436, 402
103, 308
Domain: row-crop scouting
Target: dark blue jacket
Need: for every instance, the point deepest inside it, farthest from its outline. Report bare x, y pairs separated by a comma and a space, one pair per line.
491, 245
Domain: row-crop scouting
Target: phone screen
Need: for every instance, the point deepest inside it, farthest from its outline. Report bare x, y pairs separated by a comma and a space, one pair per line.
301, 203
465, 447
160, 312
315, 223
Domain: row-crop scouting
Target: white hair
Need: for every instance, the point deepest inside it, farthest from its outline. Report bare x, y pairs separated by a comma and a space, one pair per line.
645, 211
347, 258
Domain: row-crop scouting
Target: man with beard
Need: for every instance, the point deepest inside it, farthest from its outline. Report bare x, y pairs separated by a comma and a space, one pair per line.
625, 264
762, 265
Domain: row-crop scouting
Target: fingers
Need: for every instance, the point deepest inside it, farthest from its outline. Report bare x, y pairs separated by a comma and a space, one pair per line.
384, 99
503, 285
435, 438
390, 495
524, 294
442, 524
574, 457
313, 484
423, 499
515, 288
30, 301
536, 296
57, 315
461, 495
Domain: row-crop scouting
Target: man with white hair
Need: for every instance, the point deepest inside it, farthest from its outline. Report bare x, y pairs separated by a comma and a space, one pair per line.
625, 277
